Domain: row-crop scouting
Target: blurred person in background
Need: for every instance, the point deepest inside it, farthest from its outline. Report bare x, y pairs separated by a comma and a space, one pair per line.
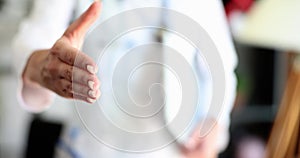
47, 45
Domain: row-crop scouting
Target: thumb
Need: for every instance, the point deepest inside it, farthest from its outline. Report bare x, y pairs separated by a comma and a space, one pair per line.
77, 30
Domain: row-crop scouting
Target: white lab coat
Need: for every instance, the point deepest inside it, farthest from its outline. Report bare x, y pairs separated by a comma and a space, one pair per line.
45, 25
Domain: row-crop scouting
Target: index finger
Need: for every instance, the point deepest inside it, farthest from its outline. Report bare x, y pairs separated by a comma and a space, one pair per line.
74, 57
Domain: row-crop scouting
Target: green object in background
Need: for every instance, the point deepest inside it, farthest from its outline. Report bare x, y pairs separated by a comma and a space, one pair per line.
243, 83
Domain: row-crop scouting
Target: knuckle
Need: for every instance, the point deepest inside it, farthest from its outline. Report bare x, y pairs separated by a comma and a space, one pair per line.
69, 87
67, 73
65, 86
65, 89
68, 56
59, 91
69, 95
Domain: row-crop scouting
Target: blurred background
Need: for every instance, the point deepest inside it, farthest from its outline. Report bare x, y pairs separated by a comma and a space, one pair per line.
13, 120
262, 75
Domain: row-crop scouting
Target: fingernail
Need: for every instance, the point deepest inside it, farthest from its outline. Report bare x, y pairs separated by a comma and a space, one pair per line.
91, 69
92, 93
91, 100
91, 84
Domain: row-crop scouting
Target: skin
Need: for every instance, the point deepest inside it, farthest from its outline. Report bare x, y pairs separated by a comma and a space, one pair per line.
55, 70
202, 147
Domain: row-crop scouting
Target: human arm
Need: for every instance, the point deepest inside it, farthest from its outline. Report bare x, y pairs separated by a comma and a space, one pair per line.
49, 69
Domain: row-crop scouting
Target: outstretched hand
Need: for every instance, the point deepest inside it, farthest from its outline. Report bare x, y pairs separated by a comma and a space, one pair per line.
56, 69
